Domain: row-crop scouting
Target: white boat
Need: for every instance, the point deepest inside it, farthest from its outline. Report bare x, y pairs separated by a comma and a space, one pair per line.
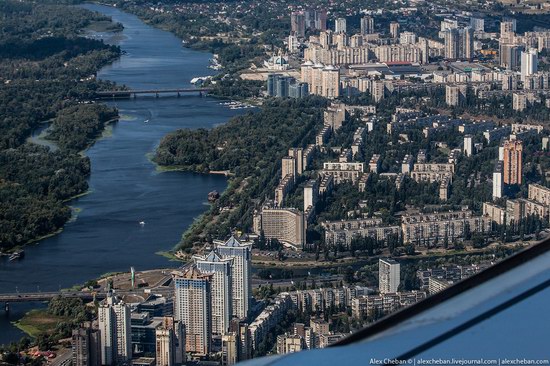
146, 121
142, 223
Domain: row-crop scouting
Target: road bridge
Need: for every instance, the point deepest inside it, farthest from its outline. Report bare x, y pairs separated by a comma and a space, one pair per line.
133, 93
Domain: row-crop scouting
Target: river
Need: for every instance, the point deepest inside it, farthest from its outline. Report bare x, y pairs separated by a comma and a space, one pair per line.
125, 187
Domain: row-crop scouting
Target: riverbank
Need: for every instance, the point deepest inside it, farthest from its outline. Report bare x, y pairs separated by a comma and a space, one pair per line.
249, 147
39, 321
124, 186
38, 179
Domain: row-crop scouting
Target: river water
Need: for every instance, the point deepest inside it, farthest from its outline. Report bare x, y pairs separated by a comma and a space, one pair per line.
125, 187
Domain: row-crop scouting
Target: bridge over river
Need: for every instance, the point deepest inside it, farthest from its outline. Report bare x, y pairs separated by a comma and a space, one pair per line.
19, 297
125, 94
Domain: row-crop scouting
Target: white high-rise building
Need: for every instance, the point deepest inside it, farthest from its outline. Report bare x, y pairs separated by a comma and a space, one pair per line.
498, 180
220, 269
529, 63
115, 330
340, 26
241, 291
389, 275
468, 145
192, 306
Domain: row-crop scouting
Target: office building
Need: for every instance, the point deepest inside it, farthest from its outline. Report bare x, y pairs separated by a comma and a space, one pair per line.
220, 289
115, 331
241, 256
144, 333
513, 168
389, 272
192, 307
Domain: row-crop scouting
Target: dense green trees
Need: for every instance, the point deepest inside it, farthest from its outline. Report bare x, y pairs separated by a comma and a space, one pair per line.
251, 147
77, 127
47, 71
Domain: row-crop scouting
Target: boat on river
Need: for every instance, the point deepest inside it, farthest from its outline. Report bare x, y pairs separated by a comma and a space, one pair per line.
17, 255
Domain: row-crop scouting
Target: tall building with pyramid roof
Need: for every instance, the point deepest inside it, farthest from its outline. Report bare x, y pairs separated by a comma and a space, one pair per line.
241, 255
222, 302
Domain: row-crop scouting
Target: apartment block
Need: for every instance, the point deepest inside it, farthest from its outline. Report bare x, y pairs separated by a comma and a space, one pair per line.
343, 172
284, 224
438, 227
426, 172
383, 304
343, 232
193, 307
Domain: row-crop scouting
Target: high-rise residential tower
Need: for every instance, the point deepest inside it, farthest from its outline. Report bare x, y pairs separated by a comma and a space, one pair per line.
241, 291
298, 23
340, 26
220, 269
192, 306
367, 25
389, 272
115, 330
513, 169
529, 63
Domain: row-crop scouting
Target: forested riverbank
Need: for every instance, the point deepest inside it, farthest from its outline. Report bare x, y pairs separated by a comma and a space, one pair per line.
248, 146
47, 72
